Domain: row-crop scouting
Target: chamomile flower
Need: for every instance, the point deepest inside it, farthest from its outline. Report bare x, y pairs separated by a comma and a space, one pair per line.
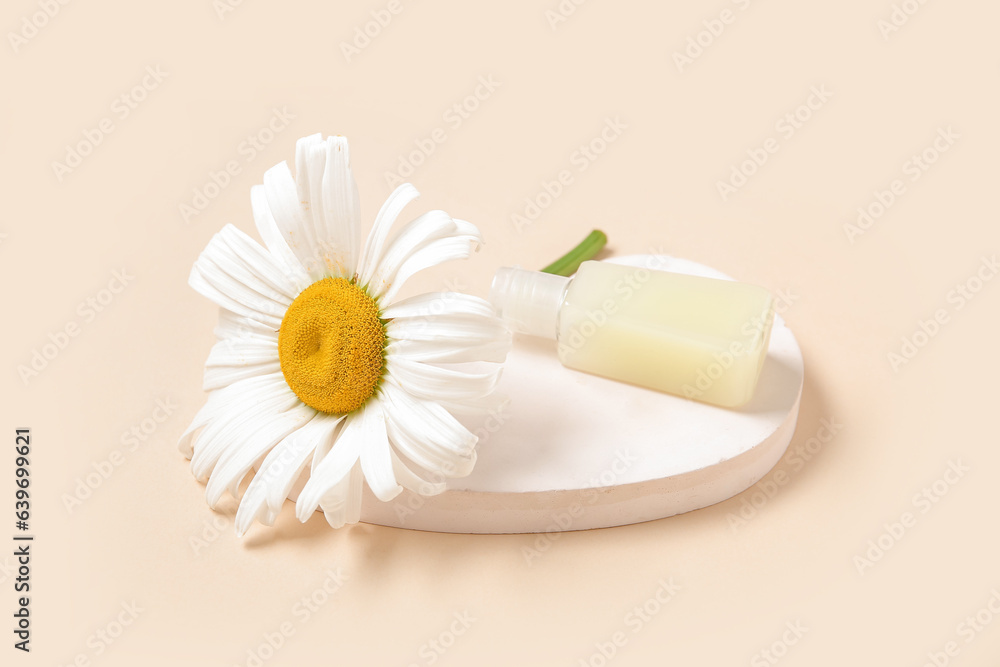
319, 374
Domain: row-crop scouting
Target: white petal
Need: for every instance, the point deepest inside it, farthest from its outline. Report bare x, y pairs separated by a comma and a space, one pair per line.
437, 351
449, 329
416, 234
283, 201
376, 463
223, 376
352, 513
231, 325
496, 403
334, 467
322, 449
268, 272
342, 504
258, 431
245, 348
437, 383
343, 203
458, 246
328, 191
261, 395
428, 434
279, 470
292, 454
233, 359
221, 410
411, 442
371, 257
334, 503
236, 282
272, 236
413, 482
241, 352
317, 212
433, 304
447, 338
445, 327
424, 454
433, 423
224, 402
246, 303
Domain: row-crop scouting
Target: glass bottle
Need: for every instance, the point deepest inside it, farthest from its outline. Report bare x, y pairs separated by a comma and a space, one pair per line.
701, 338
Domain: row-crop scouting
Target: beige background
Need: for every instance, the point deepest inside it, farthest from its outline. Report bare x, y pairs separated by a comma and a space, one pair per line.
136, 537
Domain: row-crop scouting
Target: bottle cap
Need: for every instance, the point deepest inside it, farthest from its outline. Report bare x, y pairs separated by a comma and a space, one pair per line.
528, 301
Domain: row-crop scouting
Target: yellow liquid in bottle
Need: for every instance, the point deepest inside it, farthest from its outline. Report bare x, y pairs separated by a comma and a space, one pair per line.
700, 338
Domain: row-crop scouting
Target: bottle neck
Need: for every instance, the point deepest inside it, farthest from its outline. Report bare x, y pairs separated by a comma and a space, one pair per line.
529, 301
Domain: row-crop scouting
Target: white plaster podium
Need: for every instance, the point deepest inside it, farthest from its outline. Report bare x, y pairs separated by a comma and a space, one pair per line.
574, 451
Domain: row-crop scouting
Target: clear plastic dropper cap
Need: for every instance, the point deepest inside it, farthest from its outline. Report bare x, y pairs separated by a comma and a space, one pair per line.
529, 301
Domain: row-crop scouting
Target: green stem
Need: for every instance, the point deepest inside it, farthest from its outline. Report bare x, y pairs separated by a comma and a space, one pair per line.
570, 262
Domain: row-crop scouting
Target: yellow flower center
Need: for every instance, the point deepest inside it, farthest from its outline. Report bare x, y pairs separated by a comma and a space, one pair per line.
331, 346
